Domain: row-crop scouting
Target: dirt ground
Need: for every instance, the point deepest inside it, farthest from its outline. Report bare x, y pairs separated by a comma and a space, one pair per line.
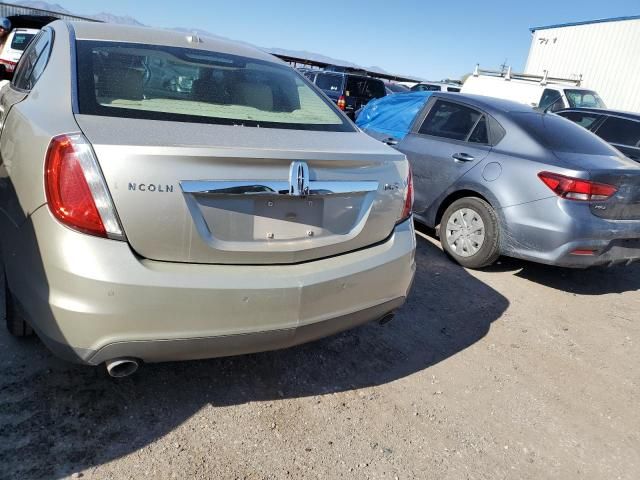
521, 371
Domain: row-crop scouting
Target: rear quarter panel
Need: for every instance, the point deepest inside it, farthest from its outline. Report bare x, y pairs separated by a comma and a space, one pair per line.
26, 132
30, 124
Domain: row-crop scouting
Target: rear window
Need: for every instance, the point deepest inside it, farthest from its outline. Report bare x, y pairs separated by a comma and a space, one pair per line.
397, 87
21, 40
365, 87
620, 131
188, 85
583, 119
561, 135
329, 81
426, 87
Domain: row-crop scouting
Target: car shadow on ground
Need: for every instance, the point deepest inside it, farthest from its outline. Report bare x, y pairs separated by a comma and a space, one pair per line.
590, 281
63, 418
599, 280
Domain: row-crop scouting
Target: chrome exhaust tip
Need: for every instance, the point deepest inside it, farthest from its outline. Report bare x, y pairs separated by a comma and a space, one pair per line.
121, 367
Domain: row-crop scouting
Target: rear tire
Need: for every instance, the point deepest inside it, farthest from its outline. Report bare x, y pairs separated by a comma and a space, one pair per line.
470, 233
16, 325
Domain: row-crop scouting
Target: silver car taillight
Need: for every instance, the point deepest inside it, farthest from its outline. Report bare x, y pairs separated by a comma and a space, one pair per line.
76, 191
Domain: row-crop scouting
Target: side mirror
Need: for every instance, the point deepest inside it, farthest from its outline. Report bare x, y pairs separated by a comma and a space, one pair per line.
5, 74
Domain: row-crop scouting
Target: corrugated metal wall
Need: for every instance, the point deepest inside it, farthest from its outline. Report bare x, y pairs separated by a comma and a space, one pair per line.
8, 9
606, 54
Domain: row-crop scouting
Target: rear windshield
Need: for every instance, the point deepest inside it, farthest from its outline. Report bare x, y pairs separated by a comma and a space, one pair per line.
188, 85
426, 87
364, 87
397, 87
329, 82
21, 40
584, 99
561, 135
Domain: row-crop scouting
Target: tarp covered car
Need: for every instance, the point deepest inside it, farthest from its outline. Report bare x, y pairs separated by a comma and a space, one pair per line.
392, 115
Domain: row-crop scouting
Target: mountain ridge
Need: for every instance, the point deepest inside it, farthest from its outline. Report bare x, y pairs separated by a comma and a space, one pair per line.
128, 20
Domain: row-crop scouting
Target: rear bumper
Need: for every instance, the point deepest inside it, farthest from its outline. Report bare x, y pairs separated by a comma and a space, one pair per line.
549, 230
96, 300
228, 345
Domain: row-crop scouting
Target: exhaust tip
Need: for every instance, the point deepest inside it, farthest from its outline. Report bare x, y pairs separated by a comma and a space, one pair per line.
122, 367
387, 318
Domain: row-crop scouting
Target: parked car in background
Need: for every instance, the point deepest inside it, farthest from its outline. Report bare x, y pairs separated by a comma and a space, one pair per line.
393, 88
543, 92
16, 42
498, 178
620, 129
350, 91
436, 87
240, 213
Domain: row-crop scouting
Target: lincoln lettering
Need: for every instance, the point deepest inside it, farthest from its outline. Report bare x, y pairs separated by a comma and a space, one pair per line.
150, 187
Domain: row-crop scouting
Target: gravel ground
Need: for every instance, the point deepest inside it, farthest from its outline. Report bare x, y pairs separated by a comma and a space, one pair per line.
520, 371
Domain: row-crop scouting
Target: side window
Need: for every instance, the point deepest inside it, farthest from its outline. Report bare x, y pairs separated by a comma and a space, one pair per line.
480, 133
33, 61
551, 100
583, 119
450, 120
375, 89
620, 131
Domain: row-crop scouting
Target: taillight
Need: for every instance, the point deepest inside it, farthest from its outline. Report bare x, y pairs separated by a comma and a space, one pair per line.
408, 198
76, 192
342, 102
577, 188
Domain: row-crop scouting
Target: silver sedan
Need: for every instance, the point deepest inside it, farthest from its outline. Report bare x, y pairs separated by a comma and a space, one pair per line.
170, 197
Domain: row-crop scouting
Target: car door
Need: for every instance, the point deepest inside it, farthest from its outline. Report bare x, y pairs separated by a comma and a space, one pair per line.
446, 141
551, 100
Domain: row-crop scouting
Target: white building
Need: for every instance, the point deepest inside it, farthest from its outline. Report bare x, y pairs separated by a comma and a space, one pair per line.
605, 52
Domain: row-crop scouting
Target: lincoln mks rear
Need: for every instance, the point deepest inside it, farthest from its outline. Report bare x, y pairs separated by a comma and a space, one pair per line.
170, 197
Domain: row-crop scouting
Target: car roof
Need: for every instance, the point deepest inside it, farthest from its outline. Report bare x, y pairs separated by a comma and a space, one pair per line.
604, 111
154, 36
447, 84
490, 104
348, 74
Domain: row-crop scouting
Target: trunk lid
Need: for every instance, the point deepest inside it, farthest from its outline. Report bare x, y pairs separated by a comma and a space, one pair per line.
616, 170
221, 194
625, 204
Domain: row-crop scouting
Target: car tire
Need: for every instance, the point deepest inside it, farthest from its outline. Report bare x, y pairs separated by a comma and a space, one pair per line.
16, 325
470, 233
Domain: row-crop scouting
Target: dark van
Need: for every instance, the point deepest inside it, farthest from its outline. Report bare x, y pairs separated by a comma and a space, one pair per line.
350, 91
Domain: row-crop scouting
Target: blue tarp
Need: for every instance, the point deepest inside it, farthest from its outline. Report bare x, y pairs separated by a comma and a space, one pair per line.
393, 114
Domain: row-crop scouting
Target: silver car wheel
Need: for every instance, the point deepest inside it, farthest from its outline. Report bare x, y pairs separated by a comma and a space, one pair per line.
465, 232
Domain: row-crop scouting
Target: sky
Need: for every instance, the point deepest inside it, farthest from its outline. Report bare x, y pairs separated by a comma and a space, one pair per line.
431, 40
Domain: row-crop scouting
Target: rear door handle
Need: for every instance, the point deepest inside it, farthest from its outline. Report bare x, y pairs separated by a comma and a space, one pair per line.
390, 141
463, 157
